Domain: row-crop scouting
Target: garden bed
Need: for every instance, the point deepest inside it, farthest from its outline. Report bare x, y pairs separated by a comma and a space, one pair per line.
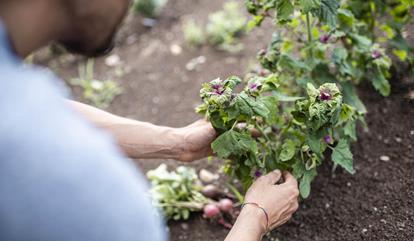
374, 204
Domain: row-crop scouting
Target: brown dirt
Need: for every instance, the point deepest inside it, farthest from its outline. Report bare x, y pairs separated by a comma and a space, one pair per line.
374, 204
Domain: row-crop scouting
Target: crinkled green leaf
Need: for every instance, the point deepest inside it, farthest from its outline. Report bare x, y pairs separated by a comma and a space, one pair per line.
308, 5
314, 141
288, 150
327, 12
298, 169
380, 83
233, 143
257, 107
347, 114
351, 97
350, 130
342, 156
346, 17
284, 9
305, 182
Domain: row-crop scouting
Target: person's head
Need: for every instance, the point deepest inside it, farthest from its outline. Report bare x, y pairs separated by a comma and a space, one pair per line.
93, 24
82, 26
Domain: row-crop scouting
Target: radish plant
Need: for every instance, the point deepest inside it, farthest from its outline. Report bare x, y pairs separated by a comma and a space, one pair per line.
387, 23
304, 103
293, 137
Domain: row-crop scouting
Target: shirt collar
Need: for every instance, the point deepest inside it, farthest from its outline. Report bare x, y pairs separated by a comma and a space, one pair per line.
6, 48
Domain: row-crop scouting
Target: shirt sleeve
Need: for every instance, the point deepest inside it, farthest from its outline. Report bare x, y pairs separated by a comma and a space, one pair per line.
60, 178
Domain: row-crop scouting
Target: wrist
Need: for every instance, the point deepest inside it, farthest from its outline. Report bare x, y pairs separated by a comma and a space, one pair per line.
254, 217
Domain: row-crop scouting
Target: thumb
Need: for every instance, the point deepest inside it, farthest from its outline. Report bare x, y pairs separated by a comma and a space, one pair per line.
272, 177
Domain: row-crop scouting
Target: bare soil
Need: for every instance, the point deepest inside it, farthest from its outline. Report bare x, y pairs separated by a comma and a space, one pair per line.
377, 203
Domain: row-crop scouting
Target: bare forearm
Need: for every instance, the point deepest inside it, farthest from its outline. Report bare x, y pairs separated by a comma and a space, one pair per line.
248, 226
137, 139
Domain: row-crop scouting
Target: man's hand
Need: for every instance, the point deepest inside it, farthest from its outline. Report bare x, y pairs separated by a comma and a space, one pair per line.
196, 140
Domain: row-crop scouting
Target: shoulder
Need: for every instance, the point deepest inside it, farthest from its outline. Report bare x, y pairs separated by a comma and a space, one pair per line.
61, 174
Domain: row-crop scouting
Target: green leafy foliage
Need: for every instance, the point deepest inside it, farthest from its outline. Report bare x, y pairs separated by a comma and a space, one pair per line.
225, 26
222, 30
342, 156
339, 42
193, 34
292, 137
149, 8
176, 193
305, 105
98, 93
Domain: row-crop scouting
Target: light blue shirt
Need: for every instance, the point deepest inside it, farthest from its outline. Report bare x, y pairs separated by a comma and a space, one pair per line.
60, 178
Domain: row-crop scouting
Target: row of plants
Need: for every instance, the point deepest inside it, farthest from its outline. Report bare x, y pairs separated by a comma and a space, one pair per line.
304, 104
303, 100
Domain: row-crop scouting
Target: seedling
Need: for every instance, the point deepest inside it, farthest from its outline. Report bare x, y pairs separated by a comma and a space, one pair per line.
149, 8
98, 93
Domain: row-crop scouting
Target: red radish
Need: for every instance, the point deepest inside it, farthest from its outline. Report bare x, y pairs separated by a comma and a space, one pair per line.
210, 210
226, 205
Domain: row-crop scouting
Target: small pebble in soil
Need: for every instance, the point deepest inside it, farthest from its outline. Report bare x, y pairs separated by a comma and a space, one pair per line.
131, 39
410, 95
348, 184
383, 221
112, 60
397, 139
194, 63
385, 158
327, 205
401, 224
412, 133
156, 100
176, 49
149, 22
184, 226
230, 60
375, 209
364, 230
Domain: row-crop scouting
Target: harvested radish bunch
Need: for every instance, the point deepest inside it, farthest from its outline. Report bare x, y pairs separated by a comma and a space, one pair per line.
177, 193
